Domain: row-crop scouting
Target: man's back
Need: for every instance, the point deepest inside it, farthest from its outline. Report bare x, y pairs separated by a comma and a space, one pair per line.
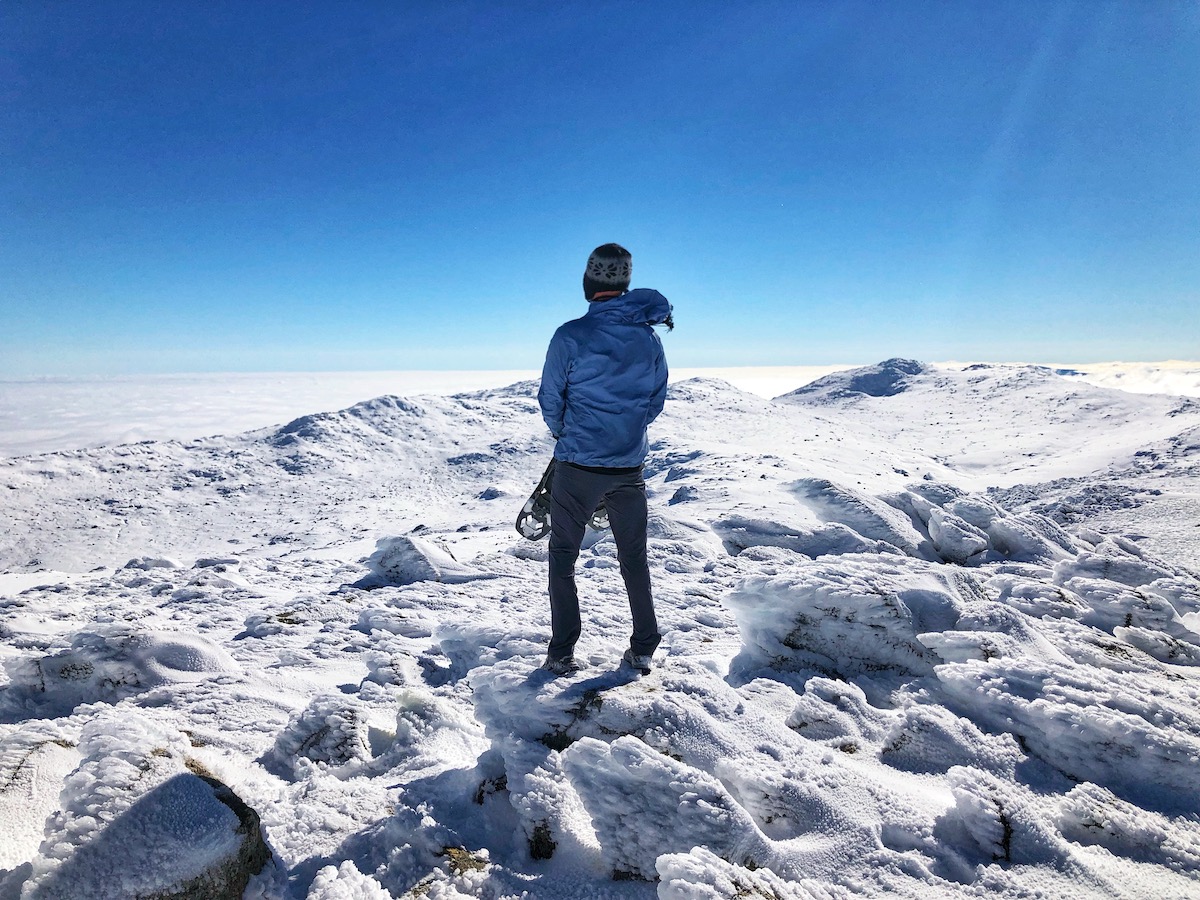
605, 380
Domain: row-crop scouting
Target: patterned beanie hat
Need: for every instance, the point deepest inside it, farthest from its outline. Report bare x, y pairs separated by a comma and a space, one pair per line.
609, 268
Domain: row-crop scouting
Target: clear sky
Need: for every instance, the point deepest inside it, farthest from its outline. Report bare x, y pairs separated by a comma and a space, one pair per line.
208, 186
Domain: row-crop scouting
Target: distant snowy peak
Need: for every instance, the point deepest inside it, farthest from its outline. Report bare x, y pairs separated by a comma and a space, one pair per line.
885, 379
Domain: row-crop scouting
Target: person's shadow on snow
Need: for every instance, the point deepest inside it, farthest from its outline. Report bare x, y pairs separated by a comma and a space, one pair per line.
616, 677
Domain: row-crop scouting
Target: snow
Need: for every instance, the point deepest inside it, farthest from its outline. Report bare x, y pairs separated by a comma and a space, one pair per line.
910, 649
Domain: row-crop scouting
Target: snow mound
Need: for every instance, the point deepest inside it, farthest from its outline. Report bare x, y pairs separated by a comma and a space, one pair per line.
106, 665
34, 760
1091, 815
332, 730
738, 533
857, 615
703, 875
147, 563
644, 804
345, 882
1140, 600
885, 379
997, 821
929, 521
929, 739
871, 518
528, 720
915, 738
408, 560
1129, 731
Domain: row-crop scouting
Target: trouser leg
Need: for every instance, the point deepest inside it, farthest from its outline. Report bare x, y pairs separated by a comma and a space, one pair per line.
627, 515
574, 495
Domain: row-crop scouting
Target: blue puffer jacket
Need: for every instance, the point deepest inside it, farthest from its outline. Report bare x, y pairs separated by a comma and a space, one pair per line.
605, 380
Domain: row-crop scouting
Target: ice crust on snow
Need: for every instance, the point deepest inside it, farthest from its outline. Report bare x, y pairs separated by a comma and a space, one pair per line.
878, 677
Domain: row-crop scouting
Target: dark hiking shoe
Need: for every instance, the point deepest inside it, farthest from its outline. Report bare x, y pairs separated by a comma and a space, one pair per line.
641, 664
563, 665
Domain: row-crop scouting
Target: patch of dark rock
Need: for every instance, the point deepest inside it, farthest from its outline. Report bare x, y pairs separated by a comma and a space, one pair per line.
490, 786
541, 843
624, 875
684, 494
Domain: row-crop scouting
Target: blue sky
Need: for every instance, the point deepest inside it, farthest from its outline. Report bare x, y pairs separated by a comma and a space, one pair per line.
274, 186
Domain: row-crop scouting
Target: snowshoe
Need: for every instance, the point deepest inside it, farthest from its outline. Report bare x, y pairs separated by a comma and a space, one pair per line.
533, 521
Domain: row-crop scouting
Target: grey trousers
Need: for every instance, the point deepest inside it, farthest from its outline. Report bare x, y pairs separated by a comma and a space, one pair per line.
574, 495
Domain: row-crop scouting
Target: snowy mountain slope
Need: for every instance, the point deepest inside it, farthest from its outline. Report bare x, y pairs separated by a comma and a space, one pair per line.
43, 415
321, 480
875, 679
998, 425
1156, 497
394, 463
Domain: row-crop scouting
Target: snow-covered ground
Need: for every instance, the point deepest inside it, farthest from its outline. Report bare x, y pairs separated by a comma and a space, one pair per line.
929, 631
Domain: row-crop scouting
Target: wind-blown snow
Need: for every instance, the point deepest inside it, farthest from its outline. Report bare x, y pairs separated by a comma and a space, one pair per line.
909, 650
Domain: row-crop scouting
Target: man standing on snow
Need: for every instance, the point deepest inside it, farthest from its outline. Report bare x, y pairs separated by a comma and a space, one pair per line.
604, 381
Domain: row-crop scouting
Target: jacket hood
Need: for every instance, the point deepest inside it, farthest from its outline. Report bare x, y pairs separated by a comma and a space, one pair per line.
638, 307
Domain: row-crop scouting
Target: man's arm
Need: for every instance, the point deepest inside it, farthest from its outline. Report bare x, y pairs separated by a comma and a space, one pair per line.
659, 397
552, 395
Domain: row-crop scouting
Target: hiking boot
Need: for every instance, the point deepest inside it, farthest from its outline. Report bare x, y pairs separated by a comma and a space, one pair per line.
639, 663
562, 665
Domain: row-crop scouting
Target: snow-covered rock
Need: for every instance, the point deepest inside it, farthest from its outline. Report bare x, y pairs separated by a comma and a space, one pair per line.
332, 730
644, 805
406, 560
135, 822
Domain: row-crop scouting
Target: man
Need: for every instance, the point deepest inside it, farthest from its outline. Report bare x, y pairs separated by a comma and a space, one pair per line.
604, 381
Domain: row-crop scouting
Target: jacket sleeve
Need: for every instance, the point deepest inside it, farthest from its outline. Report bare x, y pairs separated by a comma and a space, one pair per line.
552, 395
659, 396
